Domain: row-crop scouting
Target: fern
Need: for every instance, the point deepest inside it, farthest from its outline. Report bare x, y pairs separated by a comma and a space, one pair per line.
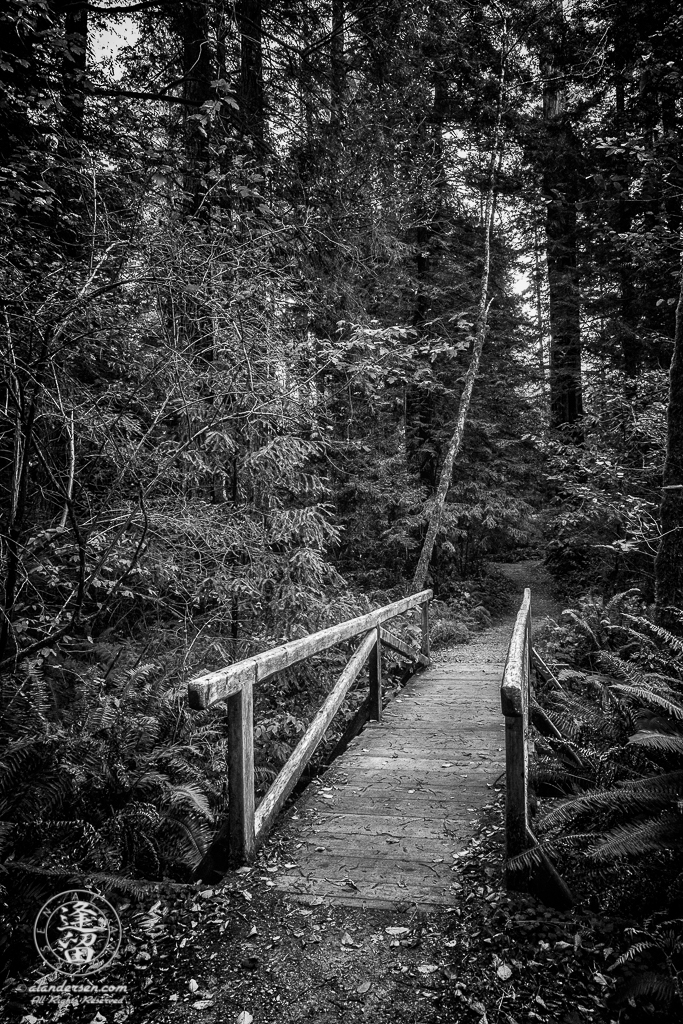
629, 724
667, 743
653, 984
658, 950
118, 783
649, 698
638, 837
665, 636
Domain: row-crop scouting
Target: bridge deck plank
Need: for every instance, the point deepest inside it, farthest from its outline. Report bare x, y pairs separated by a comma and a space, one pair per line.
412, 779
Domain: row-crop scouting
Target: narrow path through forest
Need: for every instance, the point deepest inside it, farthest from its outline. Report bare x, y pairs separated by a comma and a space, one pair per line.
384, 823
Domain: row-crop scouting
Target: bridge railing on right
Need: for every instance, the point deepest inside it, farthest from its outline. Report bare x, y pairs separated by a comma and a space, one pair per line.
538, 873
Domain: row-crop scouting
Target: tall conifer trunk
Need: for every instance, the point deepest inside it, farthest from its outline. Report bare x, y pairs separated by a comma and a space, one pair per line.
626, 335
197, 76
71, 228
73, 69
337, 69
251, 99
669, 560
560, 190
430, 215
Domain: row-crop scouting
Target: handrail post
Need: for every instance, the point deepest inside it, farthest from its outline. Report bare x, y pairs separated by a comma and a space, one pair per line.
542, 878
240, 708
425, 629
515, 706
375, 666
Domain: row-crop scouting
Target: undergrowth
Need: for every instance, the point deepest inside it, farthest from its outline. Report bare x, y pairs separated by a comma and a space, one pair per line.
614, 750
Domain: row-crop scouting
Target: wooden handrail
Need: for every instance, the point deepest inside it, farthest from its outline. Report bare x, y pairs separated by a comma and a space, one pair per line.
214, 686
236, 840
516, 700
301, 755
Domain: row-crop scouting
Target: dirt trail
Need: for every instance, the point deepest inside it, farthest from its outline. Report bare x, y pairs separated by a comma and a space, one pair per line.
490, 645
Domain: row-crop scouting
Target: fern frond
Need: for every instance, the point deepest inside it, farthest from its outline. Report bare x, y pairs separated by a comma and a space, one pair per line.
6, 830
581, 625
644, 796
525, 860
640, 836
622, 668
636, 949
663, 634
650, 699
614, 603
196, 837
572, 715
665, 781
668, 743
570, 675
114, 883
263, 774
192, 795
103, 716
653, 984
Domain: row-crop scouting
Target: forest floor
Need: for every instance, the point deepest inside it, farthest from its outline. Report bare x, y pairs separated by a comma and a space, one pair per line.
243, 951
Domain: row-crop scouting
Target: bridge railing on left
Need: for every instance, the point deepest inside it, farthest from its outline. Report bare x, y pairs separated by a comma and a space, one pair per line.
246, 825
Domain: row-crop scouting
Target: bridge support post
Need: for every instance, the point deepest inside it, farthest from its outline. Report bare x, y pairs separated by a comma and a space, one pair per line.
425, 629
240, 708
234, 842
375, 666
540, 874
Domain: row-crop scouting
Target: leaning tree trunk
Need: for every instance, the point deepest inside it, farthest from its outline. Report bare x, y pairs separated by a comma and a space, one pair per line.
669, 560
456, 439
479, 339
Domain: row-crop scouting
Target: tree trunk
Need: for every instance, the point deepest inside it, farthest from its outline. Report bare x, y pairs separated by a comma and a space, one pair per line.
463, 408
560, 189
669, 560
337, 69
73, 69
626, 335
431, 214
250, 98
540, 322
197, 76
71, 228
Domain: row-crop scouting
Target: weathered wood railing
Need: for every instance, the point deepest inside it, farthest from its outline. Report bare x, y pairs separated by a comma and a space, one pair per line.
246, 826
516, 700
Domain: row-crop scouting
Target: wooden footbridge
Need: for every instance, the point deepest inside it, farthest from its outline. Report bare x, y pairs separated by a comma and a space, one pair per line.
384, 823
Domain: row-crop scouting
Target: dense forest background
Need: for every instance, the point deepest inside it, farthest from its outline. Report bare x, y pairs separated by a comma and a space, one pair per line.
249, 251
